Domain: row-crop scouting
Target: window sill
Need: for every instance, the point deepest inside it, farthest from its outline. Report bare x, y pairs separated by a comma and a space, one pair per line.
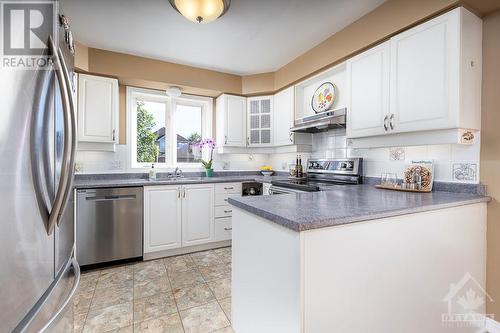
171, 168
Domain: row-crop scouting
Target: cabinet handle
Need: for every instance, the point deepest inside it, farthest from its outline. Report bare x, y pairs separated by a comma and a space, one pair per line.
391, 119
229, 188
184, 192
385, 123
114, 135
225, 139
228, 211
228, 229
248, 141
291, 137
225, 200
178, 192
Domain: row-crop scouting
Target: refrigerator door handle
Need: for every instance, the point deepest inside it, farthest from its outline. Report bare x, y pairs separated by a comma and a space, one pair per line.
61, 197
42, 170
71, 104
68, 299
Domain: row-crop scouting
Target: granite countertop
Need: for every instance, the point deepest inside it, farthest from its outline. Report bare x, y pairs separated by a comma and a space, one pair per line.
348, 204
102, 181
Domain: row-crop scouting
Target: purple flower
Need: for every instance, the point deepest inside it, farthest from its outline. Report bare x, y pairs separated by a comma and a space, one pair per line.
209, 143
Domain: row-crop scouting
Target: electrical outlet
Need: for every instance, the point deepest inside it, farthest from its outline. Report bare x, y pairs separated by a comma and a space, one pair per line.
226, 166
397, 154
116, 165
78, 167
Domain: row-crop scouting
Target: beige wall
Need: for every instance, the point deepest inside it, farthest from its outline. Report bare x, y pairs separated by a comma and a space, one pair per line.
257, 84
122, 114
81, 57
150, 72
490, 151
386, 20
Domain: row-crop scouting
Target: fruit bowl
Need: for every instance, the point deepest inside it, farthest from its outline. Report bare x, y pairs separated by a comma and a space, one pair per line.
267, 173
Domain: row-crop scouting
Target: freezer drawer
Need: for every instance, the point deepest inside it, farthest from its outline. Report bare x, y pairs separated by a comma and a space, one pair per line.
53, 313
109, 224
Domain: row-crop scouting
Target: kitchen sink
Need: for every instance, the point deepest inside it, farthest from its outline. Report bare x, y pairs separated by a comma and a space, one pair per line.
178, 179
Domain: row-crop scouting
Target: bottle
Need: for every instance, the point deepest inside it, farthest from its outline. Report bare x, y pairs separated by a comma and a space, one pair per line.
297, 166
152, 172
300, 171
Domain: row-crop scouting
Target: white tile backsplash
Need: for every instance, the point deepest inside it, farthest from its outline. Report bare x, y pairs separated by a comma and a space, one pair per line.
119, 161
331, 144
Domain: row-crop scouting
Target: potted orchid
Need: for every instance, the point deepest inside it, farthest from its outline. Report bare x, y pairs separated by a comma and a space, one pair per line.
210, 144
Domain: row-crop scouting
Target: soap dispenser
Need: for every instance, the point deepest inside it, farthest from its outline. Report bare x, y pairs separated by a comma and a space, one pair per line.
152, 172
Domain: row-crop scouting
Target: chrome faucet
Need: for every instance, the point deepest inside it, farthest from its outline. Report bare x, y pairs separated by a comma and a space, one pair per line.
177, 173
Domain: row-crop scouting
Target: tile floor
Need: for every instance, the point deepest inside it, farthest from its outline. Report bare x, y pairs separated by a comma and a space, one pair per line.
189, 293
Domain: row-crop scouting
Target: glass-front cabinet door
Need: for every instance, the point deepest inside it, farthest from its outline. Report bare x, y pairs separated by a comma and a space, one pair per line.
260, 115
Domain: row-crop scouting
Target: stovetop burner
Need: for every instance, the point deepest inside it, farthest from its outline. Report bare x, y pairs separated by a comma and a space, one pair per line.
326, 172
300, 185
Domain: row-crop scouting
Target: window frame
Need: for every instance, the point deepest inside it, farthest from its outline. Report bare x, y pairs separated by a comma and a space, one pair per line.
133, 94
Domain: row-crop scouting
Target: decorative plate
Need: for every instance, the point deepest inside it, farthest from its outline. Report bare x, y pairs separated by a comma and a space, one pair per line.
324, 97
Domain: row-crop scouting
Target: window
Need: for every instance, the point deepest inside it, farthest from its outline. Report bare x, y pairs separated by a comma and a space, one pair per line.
188, 126
163, 130
151, 131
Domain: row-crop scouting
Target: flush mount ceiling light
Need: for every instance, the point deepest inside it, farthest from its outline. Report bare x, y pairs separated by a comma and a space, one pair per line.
201, 11
174, 91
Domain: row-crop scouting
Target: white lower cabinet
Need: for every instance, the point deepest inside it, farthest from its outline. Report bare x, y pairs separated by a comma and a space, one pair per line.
178, 216
162, 218
224, 211
223, 228
197, 214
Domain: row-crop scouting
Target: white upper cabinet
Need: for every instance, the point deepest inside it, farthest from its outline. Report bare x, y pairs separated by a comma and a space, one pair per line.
367, 92
231, 120
284, 117
97, 109
260, 121
434, 76
425, 75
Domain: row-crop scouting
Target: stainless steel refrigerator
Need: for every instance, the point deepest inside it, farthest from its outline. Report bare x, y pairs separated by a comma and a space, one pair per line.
39, 274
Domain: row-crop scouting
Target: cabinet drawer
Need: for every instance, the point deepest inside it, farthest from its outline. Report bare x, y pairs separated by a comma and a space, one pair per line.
223, 228
221, 198
223, 211
228, 188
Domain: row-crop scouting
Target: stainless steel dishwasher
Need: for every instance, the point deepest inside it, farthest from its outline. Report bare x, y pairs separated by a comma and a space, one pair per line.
109, 224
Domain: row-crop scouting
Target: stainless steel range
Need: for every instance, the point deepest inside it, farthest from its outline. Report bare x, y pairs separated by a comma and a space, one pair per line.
322, 173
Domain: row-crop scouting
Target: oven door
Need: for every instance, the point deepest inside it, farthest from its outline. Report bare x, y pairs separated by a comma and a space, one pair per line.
274, 190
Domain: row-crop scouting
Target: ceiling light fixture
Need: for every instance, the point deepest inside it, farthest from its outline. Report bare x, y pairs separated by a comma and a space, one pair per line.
201, 11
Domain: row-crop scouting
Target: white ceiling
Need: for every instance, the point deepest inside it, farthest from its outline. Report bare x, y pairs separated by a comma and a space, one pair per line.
254, 36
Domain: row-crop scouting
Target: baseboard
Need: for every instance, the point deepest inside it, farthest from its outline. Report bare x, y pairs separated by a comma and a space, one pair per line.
492, 326
185, 250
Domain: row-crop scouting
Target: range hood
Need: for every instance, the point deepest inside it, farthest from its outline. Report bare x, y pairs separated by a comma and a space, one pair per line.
321, 122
